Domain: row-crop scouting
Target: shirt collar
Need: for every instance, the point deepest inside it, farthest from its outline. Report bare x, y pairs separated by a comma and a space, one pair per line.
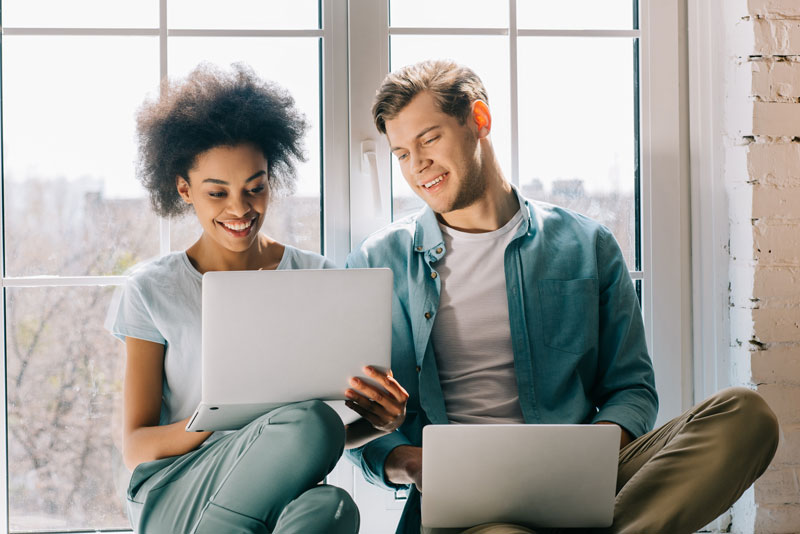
428, 235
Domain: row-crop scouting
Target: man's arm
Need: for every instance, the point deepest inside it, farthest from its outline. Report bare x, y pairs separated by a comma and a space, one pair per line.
625, 389
371, 458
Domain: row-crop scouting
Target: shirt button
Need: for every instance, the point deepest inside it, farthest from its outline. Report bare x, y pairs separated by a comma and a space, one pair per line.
439, 250
419, 249
434, 275
427, 315
418, 369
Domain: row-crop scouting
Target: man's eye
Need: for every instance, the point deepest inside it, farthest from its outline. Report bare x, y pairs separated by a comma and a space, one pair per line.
401, 157
431, 140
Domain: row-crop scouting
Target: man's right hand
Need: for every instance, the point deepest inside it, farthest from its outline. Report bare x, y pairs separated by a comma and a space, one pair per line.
404, 466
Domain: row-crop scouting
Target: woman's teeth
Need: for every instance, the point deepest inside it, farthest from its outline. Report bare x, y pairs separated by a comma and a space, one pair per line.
239, 226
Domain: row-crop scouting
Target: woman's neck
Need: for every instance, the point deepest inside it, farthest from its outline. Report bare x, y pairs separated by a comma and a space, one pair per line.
264, 254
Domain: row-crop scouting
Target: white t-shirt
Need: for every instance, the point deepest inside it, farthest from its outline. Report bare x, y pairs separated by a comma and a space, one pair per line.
471, 333
161, 302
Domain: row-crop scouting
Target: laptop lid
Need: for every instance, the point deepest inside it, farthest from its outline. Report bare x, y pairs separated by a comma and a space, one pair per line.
561, 476
270, 338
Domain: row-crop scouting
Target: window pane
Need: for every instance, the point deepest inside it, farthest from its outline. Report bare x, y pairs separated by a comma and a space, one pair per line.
294, 220
80, 14
448, 14
72, 203
64, 411
243, 14
576, 130
575, 14
488, 57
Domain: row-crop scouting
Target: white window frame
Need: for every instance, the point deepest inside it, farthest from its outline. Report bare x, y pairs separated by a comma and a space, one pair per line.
356, 200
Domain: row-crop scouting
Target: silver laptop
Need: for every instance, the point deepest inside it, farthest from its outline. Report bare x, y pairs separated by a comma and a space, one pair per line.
557, 476
271, 338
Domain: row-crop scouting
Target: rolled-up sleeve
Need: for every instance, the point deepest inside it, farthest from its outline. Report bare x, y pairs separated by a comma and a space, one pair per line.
371, 458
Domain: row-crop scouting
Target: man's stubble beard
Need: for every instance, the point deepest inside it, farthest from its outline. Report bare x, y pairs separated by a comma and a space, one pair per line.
472, 187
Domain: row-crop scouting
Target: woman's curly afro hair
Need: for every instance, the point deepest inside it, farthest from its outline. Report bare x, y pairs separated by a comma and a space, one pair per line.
213, 108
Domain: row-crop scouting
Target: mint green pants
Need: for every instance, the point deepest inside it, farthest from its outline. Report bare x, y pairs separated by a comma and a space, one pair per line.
260, 479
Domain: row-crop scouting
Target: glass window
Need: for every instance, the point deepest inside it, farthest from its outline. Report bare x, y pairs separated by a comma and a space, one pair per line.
576, 14
576, 130
80, 14
72, 203
243, 14
447, 14
64, 380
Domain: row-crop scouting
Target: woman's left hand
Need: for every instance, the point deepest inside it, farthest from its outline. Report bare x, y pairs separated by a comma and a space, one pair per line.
385, 409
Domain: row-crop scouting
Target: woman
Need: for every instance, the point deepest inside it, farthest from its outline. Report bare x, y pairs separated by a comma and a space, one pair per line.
223, 144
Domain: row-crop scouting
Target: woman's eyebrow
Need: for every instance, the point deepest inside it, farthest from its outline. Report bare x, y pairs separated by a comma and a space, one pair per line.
223, 182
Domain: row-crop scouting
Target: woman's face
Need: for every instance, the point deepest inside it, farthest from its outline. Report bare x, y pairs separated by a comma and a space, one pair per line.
229, 192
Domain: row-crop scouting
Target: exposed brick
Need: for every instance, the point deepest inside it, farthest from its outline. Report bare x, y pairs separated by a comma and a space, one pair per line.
777, 283
778, 486
774, 8
775, 242
774, 163
778, 519
784, 400
777, 36
775, 201
776, 81
776, 364
777, 326
788, 453
776, 119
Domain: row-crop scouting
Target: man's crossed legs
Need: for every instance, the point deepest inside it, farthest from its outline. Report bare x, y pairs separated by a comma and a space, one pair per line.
679, 477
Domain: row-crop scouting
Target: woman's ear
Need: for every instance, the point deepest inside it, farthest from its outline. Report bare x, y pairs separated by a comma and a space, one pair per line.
183, 189
482, 117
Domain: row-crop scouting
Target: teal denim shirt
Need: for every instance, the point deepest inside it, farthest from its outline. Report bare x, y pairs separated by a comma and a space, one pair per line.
576, 328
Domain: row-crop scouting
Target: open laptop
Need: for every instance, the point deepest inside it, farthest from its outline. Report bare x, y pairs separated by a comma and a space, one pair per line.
271, 338
556, 476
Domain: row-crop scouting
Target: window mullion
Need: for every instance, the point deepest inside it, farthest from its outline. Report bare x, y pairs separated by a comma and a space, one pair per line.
514, 94
370, 170
335, 111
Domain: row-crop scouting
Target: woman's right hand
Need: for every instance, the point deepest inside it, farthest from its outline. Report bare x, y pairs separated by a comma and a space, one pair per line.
143, 440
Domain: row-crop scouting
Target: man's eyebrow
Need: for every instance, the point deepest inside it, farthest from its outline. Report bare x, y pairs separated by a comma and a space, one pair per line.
223, 182
423, 132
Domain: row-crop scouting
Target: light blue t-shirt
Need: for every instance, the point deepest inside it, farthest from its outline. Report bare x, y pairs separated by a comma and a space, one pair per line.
161, 302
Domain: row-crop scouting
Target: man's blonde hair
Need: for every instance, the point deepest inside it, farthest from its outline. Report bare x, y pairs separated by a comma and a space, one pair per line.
454, 87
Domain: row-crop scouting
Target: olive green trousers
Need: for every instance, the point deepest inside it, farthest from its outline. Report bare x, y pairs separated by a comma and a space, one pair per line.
260, 479
681, 476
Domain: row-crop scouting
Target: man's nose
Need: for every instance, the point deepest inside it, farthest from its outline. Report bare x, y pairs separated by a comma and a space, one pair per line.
419, 161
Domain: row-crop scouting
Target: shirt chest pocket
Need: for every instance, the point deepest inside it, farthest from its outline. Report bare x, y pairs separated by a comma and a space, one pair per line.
569, 314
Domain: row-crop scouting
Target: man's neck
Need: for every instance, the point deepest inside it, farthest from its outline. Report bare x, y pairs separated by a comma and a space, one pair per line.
492, 211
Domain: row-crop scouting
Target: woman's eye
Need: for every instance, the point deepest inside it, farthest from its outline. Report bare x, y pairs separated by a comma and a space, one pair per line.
401, 157
257, 190
216, 194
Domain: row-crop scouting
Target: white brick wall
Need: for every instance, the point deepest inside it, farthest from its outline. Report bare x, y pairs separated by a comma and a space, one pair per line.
765, 241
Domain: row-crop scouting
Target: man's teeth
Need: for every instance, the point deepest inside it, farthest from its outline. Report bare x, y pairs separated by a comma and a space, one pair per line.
432, 183
238, 227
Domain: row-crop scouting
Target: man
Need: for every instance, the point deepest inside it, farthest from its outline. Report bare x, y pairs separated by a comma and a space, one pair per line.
508, 310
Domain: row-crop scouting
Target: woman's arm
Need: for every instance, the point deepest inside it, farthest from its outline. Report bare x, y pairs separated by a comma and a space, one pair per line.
143, 439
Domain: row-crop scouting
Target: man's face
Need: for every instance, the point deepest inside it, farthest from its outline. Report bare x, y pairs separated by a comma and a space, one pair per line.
439, 156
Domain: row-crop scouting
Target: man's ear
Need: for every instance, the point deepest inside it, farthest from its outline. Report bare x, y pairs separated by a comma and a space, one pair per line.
482, 117
183, 189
